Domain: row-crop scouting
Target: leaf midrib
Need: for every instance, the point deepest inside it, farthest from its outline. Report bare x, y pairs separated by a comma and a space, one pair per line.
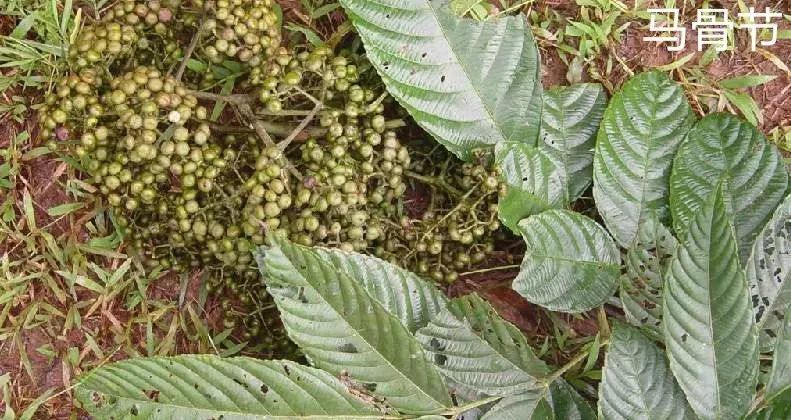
466, 73
357, 334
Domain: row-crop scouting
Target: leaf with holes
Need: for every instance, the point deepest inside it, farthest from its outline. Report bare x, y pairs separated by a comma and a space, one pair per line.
710, 335
769, 274
558, 170
342, 327
636, 381
204, 386
571, 264
642, 128
469, 84
646, 263
719, 148
534, 183
569, 123
480, 352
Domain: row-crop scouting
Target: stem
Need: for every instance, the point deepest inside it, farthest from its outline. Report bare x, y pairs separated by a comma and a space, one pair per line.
488, 270
573, 362
304, 124
455, 411
235, 99
194, 42
393, 124
436, 182
260, 129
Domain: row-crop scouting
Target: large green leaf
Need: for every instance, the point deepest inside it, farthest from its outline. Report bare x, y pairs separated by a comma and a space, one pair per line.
710, 336
569, 122
558, 170
571, 264
342, 327
636, 381
470, 84
646, 263
533, 179
203, 386
640, 133
479, 351
723, 147
769, 274
413, 300
780, 377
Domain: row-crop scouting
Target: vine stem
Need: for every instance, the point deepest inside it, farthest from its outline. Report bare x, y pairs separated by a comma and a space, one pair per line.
573, 362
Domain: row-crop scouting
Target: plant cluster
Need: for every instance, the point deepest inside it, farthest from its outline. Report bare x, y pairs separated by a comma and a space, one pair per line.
196, 189
458, 229
700, 208
190, 196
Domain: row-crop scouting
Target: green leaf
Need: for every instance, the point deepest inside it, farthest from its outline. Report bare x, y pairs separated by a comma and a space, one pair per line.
642, 128
769, 274
524, 406
479, 351
571, 264
780, 376
636, 381
779, 408
469, 84
535, 183
710, 336
746, 105
558, 171
204, 386
569, 123
310, 35
722, 148
739, 82
567, 404
64, 209
342, 327
646, 263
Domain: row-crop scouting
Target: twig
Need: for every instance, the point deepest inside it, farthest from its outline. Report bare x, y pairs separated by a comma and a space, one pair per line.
235, 99
489, 270
260, 129
194, 42
435, 182
573, 362
304, 124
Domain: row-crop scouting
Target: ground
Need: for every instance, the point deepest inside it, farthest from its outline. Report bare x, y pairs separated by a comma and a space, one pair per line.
53, 327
